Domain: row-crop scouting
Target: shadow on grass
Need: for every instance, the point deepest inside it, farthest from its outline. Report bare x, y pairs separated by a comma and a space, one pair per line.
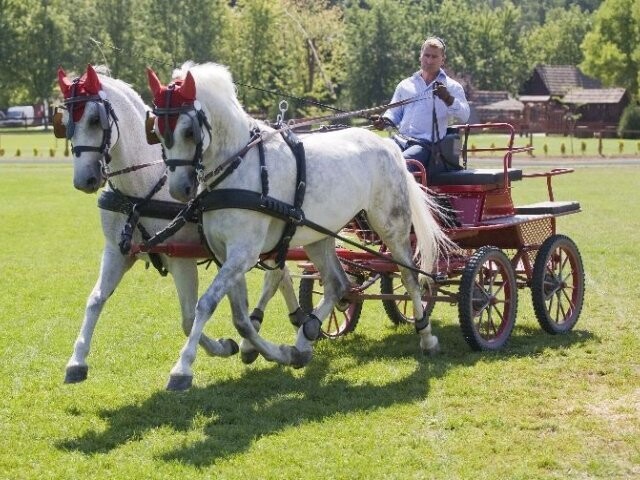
265, 401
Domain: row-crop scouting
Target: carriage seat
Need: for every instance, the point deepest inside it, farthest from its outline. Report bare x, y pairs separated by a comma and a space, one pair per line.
474, 176
549, 207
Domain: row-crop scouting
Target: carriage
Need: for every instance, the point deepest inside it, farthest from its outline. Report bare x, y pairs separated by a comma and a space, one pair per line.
500, 248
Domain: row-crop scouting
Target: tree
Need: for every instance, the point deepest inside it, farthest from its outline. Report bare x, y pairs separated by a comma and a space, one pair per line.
11, 13
382, 48
485, 45
318, 31
612, 47
39, 26
557, 42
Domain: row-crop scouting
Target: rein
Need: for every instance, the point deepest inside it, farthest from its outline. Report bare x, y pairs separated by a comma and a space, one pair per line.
133, 168
293, 125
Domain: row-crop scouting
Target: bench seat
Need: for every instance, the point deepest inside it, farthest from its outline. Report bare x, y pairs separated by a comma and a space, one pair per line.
474, 176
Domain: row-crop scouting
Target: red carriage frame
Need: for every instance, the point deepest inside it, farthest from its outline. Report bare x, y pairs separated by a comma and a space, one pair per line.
485, 226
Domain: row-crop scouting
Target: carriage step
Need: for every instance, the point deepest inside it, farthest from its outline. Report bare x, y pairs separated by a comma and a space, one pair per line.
553, 208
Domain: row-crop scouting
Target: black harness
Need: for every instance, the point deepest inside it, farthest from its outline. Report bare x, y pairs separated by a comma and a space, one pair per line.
262, 202
217, 199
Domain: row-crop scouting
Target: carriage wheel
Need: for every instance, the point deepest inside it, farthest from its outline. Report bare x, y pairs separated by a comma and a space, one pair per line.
488, 299
400, 311
344, 316
557, 284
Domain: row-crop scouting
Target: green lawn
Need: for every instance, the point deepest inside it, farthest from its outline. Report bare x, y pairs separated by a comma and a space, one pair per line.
368, 406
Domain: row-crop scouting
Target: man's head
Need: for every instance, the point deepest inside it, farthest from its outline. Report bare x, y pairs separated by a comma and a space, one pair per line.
432, 56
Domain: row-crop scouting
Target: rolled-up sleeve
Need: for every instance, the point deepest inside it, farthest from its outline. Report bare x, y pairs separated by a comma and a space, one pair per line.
459, 109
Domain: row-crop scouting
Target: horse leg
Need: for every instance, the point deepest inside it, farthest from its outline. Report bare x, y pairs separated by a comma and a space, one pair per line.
428, 342
229, 280
112, 268
391, 230
282, 354
336, 284
185, 276
273, 280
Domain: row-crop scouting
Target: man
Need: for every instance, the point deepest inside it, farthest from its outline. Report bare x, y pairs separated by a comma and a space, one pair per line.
414, 120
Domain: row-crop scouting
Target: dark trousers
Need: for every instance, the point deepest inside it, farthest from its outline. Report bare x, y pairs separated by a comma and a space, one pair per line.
416, 151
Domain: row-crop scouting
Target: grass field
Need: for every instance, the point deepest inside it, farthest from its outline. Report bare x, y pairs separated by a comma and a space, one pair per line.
368, 406
43, 145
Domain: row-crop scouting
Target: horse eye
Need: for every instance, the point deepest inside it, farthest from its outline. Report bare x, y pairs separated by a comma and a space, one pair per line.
188, 133
94, 120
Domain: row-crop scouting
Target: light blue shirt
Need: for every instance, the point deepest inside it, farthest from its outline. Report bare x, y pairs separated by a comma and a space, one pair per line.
415, 119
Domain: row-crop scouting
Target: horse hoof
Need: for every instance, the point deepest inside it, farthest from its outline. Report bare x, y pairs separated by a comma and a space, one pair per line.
432, 351
230, 346
76, 374
299, 358
179, 383
249, 357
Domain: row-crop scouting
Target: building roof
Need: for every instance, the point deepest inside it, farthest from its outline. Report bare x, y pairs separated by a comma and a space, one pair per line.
511, 105
559, 79
594, 95
485, 97
534, 98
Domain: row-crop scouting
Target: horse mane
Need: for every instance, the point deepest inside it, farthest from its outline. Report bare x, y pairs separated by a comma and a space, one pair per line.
126, 90
217, 92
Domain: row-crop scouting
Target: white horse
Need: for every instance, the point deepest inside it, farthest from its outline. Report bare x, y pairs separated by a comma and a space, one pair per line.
104, 120
347, 172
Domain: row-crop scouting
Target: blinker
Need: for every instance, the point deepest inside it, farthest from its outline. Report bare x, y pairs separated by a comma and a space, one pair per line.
152, 137
59, 130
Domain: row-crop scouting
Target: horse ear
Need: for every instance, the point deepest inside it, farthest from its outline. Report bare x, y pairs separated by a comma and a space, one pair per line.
92, 83
63, 81
188, 88
154, 82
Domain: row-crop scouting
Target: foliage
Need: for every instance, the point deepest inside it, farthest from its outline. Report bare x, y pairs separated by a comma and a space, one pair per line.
382, 49
557, 41
351, 52
629, 126
490, 56
612, 47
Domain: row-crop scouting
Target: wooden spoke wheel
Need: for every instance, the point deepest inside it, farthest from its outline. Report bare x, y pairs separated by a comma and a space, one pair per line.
557, 285
400, 311
345, 314
488, 299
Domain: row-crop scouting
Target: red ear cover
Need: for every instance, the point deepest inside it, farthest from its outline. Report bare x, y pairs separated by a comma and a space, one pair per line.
188, 88
91, 82
183, 92
64, 82
154, 83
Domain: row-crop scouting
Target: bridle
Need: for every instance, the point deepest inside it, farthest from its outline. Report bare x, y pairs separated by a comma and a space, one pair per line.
107, 117
198, 121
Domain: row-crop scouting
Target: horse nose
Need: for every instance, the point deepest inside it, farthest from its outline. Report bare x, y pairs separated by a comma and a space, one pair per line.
88, 185
92, 182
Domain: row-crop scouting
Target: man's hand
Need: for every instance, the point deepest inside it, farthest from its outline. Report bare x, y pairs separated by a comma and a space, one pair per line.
440, 91
379, 122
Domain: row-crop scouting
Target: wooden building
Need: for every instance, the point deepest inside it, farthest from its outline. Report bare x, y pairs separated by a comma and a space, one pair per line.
561, 99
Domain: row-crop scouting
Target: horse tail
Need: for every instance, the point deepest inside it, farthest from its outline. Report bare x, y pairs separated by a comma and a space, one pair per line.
431, 240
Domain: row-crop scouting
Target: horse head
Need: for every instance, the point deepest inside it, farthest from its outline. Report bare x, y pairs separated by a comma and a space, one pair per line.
86, 122
179, 124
